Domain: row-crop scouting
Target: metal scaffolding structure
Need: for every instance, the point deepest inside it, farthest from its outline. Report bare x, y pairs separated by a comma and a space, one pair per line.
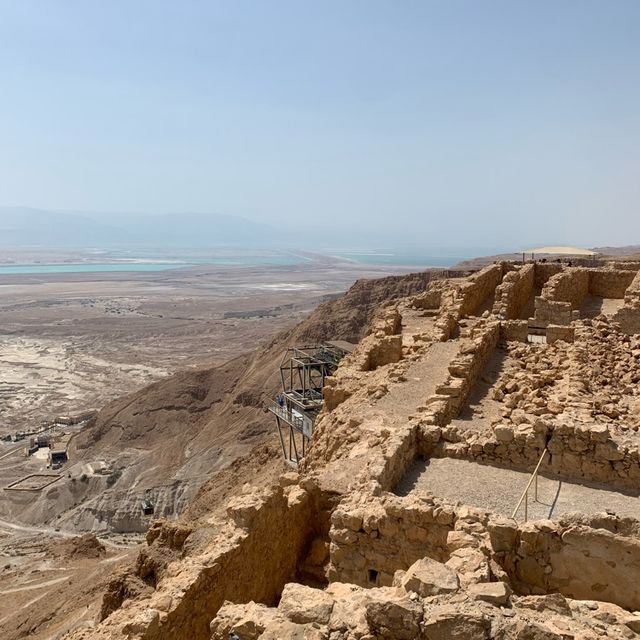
303, 371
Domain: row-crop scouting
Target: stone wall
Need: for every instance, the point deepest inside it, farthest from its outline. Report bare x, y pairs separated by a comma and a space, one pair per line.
557, 332
544, 271
270, 529
561, 297
610, 283
629, 319
565, 292
595, 558
514, 330
552, 312
479, 287
576, 452
370, 543
514, 292
629, 315
464, 371
631, 265
383, 345
571, 285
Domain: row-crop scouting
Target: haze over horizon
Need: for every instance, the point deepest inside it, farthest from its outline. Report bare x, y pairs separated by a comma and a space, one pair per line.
457, 124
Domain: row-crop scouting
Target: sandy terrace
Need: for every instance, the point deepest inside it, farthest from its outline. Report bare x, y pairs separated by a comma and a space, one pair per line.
499, 490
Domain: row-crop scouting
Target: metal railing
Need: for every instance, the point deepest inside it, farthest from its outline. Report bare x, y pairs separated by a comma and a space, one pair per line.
525, 493
302, 423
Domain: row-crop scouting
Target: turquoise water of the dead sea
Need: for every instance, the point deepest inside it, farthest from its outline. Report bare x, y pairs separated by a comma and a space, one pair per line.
284, 258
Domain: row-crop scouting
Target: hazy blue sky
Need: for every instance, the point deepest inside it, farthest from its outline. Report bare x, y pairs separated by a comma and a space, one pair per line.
507, 123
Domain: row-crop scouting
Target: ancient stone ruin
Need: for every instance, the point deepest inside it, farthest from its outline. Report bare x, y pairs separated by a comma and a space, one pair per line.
404, 519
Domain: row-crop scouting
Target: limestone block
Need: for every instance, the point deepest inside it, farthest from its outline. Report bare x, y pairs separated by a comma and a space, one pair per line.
302, 604
292, 631
460, 540
452, 387
503, 533
448, 623
397, 619
503, 433
247, 620
496, 593
471, 565
608, 451
429, 578
349, 608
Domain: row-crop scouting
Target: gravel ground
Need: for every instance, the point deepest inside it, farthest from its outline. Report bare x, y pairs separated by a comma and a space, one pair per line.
499, 490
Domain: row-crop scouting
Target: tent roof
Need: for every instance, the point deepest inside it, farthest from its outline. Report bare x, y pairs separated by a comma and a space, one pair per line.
562, 251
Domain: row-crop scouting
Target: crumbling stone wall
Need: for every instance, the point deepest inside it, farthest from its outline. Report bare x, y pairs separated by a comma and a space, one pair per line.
552, 312
565, 292
514, 330
464, 371
383, 345
610, 283
370, 543
629, 315
576, 452
400, 452
269, 529
431, 299
571, 285
514, 292
631, 265
629, 319
544, 271
479, 287
580, 557
561, 297
556, 332
595, 558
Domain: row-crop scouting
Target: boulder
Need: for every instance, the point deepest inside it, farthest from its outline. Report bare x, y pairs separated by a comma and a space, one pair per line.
496, 593
429, 578
448, 623
247, 620
278, 630
302, 604
470, 564
397, 619
503, 533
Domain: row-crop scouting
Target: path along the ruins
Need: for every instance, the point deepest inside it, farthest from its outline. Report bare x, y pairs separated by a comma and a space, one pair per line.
499, 490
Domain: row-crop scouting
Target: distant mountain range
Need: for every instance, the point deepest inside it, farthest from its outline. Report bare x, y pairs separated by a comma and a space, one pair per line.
24, 226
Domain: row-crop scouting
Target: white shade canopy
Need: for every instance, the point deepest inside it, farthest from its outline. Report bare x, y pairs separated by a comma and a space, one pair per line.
562, 251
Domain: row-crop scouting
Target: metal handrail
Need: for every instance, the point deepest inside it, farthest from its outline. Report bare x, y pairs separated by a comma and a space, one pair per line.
525, 493
298, 422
